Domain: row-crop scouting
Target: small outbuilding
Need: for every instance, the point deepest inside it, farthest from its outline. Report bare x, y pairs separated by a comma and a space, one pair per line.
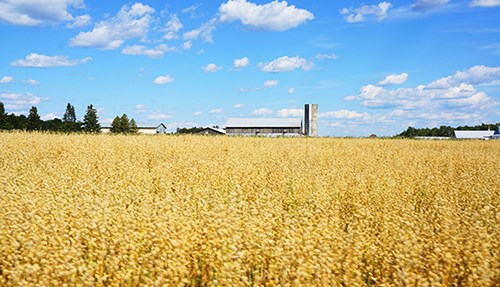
211, 131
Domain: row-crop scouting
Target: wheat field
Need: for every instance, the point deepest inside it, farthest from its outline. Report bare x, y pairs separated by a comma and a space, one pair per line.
104, 210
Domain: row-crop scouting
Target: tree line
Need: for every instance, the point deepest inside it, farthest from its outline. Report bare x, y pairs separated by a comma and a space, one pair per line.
68, 123
444, 131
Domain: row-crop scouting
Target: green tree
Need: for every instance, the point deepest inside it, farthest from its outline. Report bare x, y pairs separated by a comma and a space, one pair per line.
91, 121
124, 124
116, 125
34, 121
69, 119
133, 126
4, 119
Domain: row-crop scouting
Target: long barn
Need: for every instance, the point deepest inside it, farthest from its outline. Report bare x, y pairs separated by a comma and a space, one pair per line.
264, 126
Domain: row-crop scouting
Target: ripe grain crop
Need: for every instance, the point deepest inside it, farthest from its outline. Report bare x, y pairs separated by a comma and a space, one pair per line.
103, 210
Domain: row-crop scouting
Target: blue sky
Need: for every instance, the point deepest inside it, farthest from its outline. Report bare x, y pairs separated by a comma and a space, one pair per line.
372, 67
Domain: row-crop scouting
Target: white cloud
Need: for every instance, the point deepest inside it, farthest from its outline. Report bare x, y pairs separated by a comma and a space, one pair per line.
49, 116
191, 10
210, 68
41, 61
285, 113
130, 22
198, 113
32, 82
326, 57
6, 80
156, 52
354, 15
424, 5
262, 112
291, 90
172, 27
485, 3
276, 15
32, 13
270, 83
286, 64
158, 116
204, 32
19, 102
241, 63
462, 97
187, 45
238, 106
140, 108
477, 75
162, 80
343, 114
80, 21
216, 111
394, 79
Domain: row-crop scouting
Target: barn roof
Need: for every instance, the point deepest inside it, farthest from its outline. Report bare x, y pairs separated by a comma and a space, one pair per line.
263, 122
473, 134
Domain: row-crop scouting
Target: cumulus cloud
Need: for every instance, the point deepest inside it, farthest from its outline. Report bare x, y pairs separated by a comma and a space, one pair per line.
49, 116
156, 52
476, 75
6, 80
291, 90
238, 106
286, 113
158, 116
172, 27
449, 94
276, 15
485, 3
270, 83
129, 23
379, 11
286, 64
198, 113
80, 21
211, 68
326, 57
32, 13
32, 82
140, 108
216, 111
343, 114
394, 79
204, 32
187, 45
262, 112
241, 63
42, 61
424, 5
162, 80
19, 101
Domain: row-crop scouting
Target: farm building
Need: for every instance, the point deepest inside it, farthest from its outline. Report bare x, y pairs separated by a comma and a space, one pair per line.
474, 134
211, 131
276, 126
264, 126
160, 129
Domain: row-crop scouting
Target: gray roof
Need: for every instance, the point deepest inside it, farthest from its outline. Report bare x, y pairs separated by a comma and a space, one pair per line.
473, 134
263, 122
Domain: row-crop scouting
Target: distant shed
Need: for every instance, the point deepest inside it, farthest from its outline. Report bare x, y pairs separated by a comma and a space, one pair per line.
474, 134
211, 131
264, 126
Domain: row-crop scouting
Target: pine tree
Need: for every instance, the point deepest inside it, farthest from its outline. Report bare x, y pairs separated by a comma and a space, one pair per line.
34, 121
90, 121
124, 124
133, 126
69, 119
116, 125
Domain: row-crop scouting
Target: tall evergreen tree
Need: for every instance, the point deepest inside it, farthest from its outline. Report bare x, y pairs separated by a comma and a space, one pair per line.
90, 121
69, 119
133, 126
34, 121
4, 120
124, 124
